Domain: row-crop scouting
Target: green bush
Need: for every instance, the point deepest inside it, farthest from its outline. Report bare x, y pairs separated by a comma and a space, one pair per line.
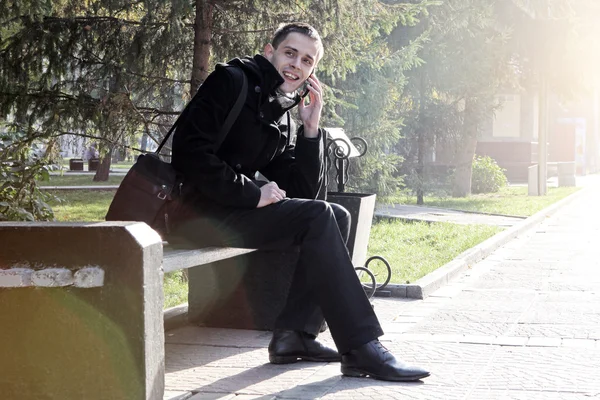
20, 197
487, 176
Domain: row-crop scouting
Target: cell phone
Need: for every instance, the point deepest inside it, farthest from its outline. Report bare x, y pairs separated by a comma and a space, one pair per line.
304, 88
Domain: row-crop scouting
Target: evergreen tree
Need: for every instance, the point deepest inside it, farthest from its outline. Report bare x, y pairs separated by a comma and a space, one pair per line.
366, 104
113, 70
466, 63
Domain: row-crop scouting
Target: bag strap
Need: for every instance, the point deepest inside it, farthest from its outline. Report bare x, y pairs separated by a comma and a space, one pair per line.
235, 111
289, 128
231, 117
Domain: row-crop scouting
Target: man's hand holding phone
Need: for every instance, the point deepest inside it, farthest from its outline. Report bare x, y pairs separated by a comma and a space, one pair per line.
310, 112
304, 90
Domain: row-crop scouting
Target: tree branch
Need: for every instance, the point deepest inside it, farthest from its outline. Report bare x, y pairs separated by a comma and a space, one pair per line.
89, 20
103, 139
157, 111
101, 61
228, 31
42, 94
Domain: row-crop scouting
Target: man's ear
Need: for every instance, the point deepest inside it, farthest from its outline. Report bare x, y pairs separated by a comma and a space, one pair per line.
268, 51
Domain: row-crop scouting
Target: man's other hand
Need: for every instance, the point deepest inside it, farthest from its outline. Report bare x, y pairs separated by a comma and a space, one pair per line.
269, 194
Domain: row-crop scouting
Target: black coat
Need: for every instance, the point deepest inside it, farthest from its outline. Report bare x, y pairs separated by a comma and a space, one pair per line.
257, 141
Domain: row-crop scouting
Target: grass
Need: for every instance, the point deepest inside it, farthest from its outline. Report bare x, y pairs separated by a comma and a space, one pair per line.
414, 249
510, 200
122, 165
118, 165
175, 288
79, 180
80, 205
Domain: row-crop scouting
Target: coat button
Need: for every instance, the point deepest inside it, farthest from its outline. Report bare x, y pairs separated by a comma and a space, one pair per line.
261, 114
257, 89
238, 166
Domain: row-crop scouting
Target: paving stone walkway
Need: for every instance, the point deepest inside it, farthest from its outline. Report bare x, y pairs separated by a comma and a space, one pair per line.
522, 324
435, 214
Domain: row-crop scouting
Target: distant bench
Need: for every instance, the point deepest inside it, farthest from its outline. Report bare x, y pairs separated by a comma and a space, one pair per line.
82, 308
564, 170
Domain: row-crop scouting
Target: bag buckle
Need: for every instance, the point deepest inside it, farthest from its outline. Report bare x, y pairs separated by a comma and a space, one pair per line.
163, 193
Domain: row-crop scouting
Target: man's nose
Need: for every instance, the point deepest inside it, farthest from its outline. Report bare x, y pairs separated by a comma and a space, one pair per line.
296, 63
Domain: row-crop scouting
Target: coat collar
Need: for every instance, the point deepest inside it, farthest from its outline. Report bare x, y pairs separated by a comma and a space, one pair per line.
271, 79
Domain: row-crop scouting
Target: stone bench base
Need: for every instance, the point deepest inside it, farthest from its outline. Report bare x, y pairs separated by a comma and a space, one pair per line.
231, 294
61, 338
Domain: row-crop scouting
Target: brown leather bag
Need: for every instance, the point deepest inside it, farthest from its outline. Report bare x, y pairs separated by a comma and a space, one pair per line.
149, 192
146, 193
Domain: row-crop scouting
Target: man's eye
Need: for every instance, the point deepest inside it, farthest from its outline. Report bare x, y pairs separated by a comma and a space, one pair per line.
308, 62
289, 53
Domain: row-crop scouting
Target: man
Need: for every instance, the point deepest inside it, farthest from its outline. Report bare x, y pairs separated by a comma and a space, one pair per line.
230, 207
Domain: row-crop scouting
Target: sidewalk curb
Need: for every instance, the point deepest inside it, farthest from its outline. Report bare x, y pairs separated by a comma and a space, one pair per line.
175, 317
428, 284
74, 188
455, 210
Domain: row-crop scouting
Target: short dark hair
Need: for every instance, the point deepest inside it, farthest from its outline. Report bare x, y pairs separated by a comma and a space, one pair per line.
284, 30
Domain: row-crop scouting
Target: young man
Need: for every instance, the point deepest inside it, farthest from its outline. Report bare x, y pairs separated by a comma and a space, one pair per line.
229, 207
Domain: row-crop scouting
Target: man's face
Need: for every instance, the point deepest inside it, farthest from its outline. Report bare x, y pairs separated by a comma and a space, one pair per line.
295, 58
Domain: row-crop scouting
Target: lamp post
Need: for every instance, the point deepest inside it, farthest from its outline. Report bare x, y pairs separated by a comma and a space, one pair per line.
543, 136
543, 102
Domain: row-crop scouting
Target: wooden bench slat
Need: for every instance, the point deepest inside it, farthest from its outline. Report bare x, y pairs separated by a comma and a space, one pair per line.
176, 259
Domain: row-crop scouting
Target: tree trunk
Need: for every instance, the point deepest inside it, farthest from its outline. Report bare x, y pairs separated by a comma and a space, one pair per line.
420, 166
202, 36
144, 143
465, 152
420, 170
51, 149
103, 170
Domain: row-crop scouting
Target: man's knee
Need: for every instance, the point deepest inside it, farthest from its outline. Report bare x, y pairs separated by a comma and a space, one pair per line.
323, 212
318, 212
341, 214
343, 219
325, 209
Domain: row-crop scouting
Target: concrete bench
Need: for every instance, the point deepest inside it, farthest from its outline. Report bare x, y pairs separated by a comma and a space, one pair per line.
566, 174
82, 309
175, 259
81, 304
564, 170
253, 287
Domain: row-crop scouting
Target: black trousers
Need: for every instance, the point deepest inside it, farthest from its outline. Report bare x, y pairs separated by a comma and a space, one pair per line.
324, 283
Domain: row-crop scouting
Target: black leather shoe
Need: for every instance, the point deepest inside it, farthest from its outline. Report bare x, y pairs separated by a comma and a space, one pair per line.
373, 360
291, 346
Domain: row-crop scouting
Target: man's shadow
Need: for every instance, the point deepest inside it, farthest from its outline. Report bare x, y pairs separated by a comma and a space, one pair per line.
309, 390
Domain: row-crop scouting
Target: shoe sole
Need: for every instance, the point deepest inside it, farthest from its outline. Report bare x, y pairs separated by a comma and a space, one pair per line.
294, 359
357, 373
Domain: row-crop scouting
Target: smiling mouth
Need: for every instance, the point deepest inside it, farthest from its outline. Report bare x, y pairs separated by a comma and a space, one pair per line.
290, 76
